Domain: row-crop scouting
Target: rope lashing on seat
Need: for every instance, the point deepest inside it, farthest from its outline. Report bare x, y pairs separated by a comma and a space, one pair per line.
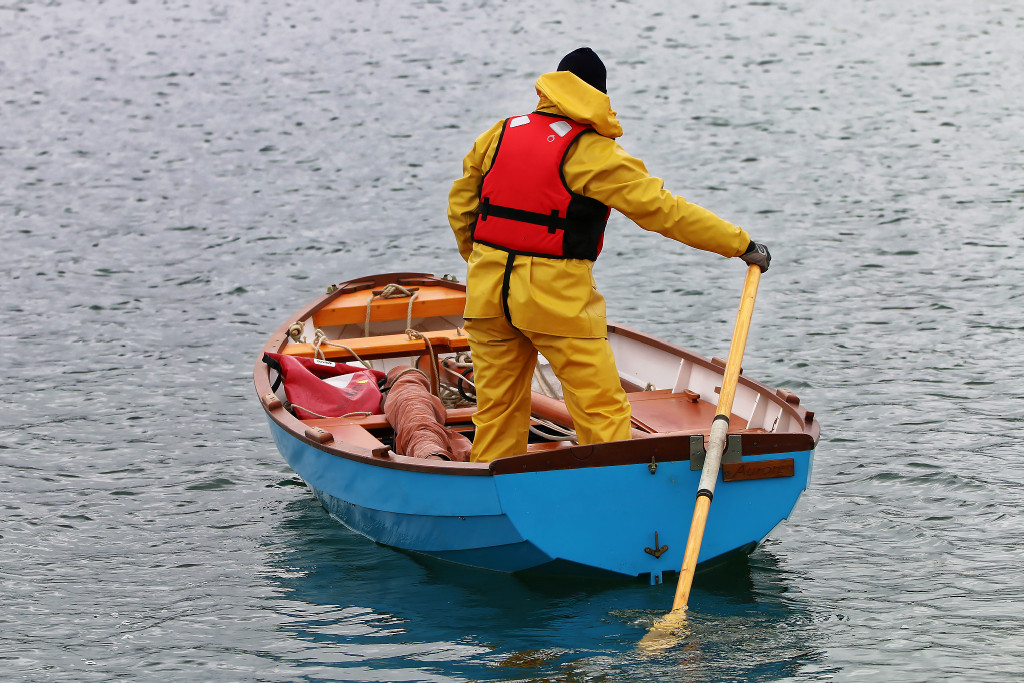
435, 380
391, 291
320, 337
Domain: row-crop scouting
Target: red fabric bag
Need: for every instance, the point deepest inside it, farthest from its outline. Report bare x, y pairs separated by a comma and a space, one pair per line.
318, 388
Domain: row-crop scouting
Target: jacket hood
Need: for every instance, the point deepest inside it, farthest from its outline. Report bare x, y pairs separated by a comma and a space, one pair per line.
571, 96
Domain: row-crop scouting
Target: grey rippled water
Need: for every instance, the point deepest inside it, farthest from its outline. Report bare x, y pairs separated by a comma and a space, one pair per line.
176, 178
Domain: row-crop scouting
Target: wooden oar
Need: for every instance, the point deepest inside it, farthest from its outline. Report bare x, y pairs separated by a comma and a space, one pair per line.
717, 438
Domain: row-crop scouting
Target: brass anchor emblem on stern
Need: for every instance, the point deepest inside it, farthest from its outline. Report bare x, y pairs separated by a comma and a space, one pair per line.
656, 551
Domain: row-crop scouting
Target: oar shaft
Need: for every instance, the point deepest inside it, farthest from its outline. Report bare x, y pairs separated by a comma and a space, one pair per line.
700, 518
717, 438
705, 492
739, 341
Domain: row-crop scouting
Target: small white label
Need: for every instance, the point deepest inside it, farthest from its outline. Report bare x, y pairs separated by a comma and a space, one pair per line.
561, 127
325, 363
519, 121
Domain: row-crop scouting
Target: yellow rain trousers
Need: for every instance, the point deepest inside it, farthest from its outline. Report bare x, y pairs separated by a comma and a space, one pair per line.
503, 362
554, 304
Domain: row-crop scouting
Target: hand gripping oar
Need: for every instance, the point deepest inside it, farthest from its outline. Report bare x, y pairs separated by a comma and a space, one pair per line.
717, 439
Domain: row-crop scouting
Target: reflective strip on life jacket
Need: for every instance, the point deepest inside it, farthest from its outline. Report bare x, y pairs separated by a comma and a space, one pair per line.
526, 206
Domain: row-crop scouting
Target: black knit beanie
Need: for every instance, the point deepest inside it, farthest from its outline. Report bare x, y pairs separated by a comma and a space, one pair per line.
585, 63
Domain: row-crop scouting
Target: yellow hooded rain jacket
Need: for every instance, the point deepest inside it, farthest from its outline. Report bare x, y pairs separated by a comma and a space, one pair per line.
558, 296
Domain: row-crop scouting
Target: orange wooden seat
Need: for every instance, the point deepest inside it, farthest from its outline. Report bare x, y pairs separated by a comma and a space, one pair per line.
350, 308
384, 346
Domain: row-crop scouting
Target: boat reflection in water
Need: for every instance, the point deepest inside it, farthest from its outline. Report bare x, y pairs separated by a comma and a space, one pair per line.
397, 616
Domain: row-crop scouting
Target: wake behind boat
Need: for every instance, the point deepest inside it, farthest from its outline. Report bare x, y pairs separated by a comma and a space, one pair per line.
621, 508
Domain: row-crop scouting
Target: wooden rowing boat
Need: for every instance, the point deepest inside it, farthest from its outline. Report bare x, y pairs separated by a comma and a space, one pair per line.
615, 509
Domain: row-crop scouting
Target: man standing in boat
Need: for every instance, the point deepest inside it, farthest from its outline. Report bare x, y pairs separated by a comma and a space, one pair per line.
529, 214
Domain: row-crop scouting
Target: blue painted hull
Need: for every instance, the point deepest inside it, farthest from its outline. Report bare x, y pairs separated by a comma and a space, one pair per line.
587, 520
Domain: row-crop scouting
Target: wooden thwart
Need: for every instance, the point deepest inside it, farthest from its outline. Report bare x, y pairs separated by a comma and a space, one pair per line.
442, 341
350, 308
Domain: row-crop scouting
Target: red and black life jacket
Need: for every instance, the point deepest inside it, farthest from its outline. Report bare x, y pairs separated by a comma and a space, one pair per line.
525, 205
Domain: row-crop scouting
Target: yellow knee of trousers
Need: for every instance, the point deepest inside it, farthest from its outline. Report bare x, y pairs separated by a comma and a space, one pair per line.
591, 386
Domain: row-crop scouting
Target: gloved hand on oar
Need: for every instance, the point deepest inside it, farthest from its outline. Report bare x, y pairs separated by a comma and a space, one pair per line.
757, 254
